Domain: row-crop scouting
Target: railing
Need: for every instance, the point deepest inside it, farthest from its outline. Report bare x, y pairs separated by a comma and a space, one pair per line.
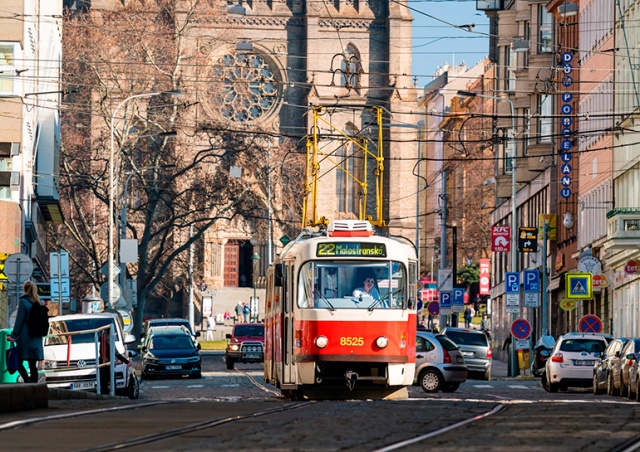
97, 335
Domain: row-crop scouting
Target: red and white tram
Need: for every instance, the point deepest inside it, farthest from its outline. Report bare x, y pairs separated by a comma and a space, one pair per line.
324, 335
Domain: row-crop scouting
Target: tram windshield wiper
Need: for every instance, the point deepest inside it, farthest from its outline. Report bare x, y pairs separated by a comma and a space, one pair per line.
323, 298
373, 305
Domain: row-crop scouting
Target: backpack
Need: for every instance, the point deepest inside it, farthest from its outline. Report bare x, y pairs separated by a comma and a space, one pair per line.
246, 309
38, 320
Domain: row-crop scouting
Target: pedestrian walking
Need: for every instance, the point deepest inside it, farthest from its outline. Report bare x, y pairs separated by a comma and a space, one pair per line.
476, 304
484, 326
467, 317
29, 344
245, 312
238, 312
211, 325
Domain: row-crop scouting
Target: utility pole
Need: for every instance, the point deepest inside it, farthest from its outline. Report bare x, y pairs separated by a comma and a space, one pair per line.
443, 241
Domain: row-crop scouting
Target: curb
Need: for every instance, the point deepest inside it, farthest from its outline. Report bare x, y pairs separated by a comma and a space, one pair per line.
21, 396
68, 394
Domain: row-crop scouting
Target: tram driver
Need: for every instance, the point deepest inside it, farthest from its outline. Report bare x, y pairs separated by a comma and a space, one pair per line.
368, 288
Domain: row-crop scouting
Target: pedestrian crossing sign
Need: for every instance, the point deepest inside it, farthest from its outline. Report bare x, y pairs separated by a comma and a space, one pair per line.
579, 286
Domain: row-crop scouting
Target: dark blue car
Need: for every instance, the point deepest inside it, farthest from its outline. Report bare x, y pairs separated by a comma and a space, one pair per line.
170, 351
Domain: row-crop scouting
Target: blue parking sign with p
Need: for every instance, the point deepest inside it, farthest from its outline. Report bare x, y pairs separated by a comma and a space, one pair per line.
445, 300
531, 281
512, 282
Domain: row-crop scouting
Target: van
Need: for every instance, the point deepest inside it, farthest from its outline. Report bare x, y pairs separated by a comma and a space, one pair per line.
69, 361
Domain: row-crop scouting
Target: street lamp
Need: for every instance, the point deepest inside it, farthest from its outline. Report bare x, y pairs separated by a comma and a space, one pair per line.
514, 221
110, 263
255, 258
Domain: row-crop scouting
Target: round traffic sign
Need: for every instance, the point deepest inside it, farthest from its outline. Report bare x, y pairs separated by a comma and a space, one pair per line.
116, 291
433, 308
590, 324
521, 329
18, 267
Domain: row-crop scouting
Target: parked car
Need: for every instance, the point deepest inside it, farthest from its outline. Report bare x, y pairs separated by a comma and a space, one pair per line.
634, 378
475, 348
170, 351
246, 344
70, 363
572, 361
622, 369
604, 368
439, 363
168, 322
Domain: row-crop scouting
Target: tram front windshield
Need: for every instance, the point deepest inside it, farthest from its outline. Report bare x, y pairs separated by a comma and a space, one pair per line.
352, 285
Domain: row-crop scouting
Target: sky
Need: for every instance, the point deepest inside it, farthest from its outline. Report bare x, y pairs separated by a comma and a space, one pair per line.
436, 43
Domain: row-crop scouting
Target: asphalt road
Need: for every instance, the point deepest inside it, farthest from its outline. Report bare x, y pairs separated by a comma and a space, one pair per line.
230, 410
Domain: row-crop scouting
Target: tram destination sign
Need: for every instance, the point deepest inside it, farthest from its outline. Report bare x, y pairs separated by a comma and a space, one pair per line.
351, 249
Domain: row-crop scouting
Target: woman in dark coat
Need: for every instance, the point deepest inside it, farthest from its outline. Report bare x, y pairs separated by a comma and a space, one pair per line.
30, 348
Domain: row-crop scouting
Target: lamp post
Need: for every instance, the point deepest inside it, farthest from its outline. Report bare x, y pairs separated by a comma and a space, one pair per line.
255, 258
110, 263
454, 261
514, 221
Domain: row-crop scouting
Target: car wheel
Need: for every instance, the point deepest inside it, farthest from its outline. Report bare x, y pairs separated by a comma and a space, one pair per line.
133, 391
487, 375
554, 387
430, 380
230, 364
198, 375
611, 389
451, 387
596, 389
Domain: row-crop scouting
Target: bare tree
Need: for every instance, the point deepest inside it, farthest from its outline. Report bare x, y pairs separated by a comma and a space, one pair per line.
176, 187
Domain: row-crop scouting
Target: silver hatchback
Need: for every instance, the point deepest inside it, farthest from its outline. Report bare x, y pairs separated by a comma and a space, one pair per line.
475, 348
439, 363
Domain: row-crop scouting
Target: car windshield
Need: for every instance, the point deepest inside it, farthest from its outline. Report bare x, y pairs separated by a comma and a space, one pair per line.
466, 338
352, 285
71, 325
582, 345
170, 342
249, 330
156, 323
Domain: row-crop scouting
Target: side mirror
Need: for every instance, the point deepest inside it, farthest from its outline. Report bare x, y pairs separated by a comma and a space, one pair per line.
631, 356
598, 354
412, 302
199, 347
197, 333
228, 336
278, 276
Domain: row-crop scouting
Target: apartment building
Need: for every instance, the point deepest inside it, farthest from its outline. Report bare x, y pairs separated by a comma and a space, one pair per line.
30, 54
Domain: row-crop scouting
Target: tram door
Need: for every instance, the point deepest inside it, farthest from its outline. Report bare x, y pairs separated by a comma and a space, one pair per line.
288, 375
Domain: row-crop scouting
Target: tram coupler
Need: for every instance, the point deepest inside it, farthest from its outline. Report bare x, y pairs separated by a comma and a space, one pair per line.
351, 377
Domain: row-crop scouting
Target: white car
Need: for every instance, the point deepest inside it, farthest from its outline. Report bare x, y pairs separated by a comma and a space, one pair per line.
572, 360
70, 363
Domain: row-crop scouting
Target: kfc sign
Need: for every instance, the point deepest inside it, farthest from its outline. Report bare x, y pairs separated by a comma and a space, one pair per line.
500, 242
485, 277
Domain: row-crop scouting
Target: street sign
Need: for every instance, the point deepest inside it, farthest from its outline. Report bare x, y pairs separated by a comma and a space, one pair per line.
433, 308
445, 280
500, 239
445, 302
531, 281
105, 269
579, 286
127, 321
59, 264
521, 329
567, 305
531, 300
18, 267
457, 303
116, 291
528, 239
60, 287
512, 282
590, 324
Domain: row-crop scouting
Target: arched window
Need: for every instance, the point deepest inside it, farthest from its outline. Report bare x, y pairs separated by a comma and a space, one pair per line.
348, 191
351, 68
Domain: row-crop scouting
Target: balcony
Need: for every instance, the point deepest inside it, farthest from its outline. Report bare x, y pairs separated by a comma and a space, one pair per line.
623, 229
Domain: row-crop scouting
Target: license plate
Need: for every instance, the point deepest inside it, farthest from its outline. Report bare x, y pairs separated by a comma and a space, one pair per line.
83, 385
251, 356
585, 362
467, 353
174, 367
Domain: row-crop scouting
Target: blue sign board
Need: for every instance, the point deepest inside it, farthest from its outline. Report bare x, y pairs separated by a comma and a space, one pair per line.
565, 192
458, 297
445, 300
512, 282
566, 157
567, 81
565, 168
565, 181
531, 281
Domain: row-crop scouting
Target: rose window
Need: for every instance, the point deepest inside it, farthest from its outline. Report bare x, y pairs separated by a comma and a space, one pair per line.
248, 85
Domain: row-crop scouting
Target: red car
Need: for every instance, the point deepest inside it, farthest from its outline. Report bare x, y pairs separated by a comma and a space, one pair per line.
246, 344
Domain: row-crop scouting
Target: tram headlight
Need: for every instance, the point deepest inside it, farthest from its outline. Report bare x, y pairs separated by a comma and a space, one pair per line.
322, 341
382, 342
